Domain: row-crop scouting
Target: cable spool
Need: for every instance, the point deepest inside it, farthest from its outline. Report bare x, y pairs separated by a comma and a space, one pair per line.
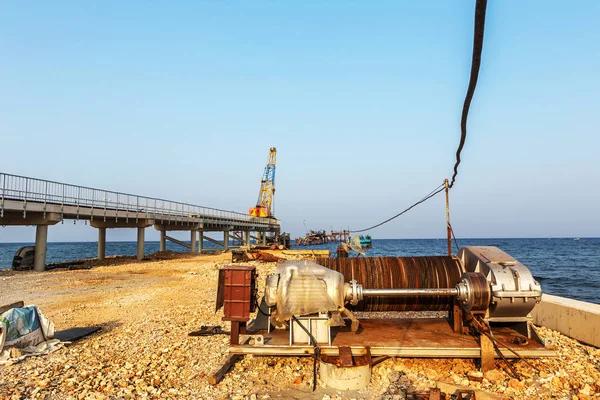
476, 290
430, 272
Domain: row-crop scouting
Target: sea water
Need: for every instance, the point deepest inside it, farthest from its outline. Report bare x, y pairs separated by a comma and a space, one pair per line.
563, 266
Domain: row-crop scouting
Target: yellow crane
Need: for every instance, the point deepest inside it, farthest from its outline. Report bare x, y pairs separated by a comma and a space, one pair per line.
267, 188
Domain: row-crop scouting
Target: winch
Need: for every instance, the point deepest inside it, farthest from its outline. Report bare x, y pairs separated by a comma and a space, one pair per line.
369, 307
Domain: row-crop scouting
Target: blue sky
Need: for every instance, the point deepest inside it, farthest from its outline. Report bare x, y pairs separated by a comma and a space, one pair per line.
362, 100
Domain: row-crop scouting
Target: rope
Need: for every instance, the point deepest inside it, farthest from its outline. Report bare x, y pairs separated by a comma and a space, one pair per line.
427, 197
480, 7
454, 237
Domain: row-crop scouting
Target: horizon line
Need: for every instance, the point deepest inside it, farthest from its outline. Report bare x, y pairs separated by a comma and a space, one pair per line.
458, 238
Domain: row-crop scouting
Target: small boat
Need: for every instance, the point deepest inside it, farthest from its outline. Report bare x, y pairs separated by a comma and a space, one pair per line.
576, 238
366, 242
23, 259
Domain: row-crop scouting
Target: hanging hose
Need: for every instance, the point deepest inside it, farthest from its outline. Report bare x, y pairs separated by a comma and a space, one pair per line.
479, 28
480, 7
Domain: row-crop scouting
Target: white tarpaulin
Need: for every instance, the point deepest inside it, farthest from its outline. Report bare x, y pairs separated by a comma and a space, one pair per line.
27, 330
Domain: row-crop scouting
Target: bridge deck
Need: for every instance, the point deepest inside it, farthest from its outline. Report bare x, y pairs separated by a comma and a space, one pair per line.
32, 199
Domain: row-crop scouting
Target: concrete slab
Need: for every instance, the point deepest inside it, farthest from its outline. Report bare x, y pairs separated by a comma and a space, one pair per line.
577, 319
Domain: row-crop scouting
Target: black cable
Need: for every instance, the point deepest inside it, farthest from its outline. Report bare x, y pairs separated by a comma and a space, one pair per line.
427, 197
262, 312
315, 352
480, 7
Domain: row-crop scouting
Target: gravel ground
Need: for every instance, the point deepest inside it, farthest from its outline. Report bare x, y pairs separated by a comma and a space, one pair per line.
147, 309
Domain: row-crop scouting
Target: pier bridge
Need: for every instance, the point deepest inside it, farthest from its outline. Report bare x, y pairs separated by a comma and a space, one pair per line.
38, 202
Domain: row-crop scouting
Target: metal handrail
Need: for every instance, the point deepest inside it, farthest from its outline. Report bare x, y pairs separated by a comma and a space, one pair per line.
26, 189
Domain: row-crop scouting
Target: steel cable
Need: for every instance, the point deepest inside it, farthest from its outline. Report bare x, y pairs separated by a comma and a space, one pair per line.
480, 8
423, 272
427, 197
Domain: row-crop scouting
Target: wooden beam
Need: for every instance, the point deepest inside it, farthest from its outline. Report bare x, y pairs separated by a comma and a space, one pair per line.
456, 317
487, 353
218, 374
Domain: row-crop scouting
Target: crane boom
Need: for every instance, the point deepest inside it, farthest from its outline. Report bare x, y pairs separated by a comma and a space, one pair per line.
267, 188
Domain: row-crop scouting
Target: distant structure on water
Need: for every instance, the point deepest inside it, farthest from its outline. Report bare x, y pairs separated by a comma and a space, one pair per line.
313, 238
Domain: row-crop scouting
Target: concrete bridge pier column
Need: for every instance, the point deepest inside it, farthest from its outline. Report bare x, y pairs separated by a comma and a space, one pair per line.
41, 239
193, 242
247, 238
140, 243
200, 241
101, 243
163, 240
225, 240
264, 238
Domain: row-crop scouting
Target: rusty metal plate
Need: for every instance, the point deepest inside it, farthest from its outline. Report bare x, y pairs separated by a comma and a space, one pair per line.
400, 338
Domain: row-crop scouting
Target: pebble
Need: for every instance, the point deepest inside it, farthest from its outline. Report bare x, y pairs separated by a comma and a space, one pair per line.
144, 350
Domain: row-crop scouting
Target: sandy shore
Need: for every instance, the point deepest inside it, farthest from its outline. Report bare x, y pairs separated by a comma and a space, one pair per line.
147, 309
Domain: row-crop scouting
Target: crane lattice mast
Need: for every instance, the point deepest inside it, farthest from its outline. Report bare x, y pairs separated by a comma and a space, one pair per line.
267, 189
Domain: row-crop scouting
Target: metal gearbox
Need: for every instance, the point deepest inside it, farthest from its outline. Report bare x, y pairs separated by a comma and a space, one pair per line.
514, 290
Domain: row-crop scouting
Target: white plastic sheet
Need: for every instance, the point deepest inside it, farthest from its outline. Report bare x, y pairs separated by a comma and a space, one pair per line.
305, 288
28, 330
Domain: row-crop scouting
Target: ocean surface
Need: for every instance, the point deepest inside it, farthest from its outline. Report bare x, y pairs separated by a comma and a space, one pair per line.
564, 267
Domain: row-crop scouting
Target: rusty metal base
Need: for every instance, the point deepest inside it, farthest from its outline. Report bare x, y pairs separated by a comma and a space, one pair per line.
422, 337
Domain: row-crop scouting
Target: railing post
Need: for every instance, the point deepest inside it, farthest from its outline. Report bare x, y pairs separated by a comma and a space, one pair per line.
25, 199
3, 190
45, 198
93, 202
78, 201
62, 204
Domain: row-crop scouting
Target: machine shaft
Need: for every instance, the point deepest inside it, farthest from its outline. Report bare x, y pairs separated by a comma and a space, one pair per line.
409, 292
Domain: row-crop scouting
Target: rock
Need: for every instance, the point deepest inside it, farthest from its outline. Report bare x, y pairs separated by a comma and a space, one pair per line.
476, 376
515, 384
494, 376
431, 374
15, 353
393, 376
586, 389
556, 382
